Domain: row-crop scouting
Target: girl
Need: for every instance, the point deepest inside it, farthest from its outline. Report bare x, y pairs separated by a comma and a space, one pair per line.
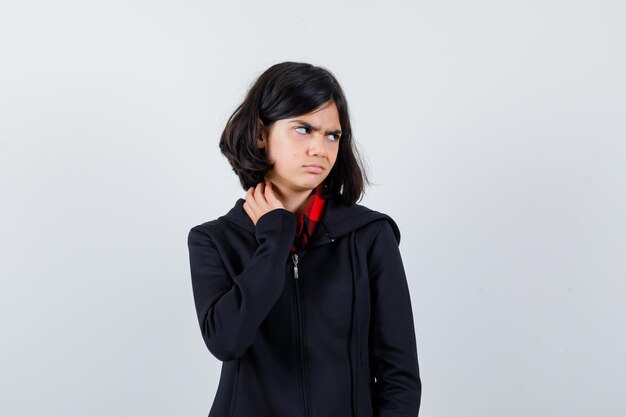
300, 291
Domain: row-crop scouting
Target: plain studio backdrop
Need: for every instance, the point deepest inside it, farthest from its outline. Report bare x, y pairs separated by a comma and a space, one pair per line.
493, 132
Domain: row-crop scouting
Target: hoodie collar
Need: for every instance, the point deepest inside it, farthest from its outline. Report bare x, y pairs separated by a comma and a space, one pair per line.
339, 218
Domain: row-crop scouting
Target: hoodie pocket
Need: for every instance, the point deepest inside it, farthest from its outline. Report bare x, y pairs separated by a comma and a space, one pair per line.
366, 408
233, 401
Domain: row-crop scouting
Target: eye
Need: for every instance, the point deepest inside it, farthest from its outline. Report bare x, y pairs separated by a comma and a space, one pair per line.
306, 131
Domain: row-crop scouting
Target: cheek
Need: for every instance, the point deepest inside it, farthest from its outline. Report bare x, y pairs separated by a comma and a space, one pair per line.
284, 158
333, 153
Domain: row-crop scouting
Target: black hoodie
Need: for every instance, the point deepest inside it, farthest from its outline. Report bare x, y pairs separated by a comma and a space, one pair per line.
326, 332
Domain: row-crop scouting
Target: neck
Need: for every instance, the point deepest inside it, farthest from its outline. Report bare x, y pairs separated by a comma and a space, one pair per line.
294, 201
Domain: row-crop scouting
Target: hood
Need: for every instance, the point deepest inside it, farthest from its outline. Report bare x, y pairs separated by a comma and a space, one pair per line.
339, 218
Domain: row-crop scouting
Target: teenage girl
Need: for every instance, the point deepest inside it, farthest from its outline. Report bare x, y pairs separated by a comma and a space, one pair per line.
299, 290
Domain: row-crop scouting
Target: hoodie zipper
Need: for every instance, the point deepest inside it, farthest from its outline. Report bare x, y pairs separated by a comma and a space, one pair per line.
304, 377
299, 334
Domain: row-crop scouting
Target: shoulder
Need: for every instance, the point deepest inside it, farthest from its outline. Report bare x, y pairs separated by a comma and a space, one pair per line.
203, 232
233, 222
211, 230
342, 218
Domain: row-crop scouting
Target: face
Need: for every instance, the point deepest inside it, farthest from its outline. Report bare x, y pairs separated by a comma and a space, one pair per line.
297, 145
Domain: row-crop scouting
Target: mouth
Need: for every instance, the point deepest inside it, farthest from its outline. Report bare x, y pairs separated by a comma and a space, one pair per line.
314, 168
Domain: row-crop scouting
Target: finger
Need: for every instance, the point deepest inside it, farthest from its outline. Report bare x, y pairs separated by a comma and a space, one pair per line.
250, 214
251, 202
259, 196
271, 197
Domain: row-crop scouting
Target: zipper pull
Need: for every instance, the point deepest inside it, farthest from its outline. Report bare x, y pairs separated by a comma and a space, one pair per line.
294, 258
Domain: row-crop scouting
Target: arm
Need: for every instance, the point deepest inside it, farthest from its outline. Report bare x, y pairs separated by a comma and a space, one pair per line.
398, 388
231, 309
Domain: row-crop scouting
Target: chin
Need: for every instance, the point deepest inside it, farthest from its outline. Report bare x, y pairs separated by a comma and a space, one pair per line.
310, 186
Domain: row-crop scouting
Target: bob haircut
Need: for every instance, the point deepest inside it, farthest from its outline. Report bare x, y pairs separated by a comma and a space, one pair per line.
283, 91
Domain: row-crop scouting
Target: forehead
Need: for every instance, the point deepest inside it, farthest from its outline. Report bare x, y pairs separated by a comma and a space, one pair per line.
327, 114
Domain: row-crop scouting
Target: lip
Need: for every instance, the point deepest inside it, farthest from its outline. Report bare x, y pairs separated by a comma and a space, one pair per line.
314, 168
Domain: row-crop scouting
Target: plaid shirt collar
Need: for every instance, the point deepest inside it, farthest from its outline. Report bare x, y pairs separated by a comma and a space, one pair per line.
310, 216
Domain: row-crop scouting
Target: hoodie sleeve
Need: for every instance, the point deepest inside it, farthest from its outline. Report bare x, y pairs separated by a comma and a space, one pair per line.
398, 388
231, 309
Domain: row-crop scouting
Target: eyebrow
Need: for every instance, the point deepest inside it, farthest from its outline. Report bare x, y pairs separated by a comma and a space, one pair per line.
315, 128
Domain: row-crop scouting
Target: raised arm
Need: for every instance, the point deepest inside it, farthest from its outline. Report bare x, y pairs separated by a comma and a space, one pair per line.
231, 309
398, 388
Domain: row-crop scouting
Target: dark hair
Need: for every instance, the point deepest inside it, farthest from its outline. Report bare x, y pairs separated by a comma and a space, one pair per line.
286, 90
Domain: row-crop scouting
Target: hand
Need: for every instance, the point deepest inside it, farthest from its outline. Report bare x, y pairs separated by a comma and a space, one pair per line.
260, 200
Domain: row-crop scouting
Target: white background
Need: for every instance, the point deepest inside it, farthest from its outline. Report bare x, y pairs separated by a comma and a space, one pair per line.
493, 131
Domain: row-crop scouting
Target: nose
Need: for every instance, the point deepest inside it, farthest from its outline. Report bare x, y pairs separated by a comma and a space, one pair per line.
316, 145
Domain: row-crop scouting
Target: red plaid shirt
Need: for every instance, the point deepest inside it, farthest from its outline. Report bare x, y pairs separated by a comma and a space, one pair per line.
310, 217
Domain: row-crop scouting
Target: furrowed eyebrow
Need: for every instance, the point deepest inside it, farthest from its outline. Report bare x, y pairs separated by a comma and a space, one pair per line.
315, 128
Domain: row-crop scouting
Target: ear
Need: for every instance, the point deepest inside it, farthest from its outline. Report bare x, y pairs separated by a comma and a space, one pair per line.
261, 142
